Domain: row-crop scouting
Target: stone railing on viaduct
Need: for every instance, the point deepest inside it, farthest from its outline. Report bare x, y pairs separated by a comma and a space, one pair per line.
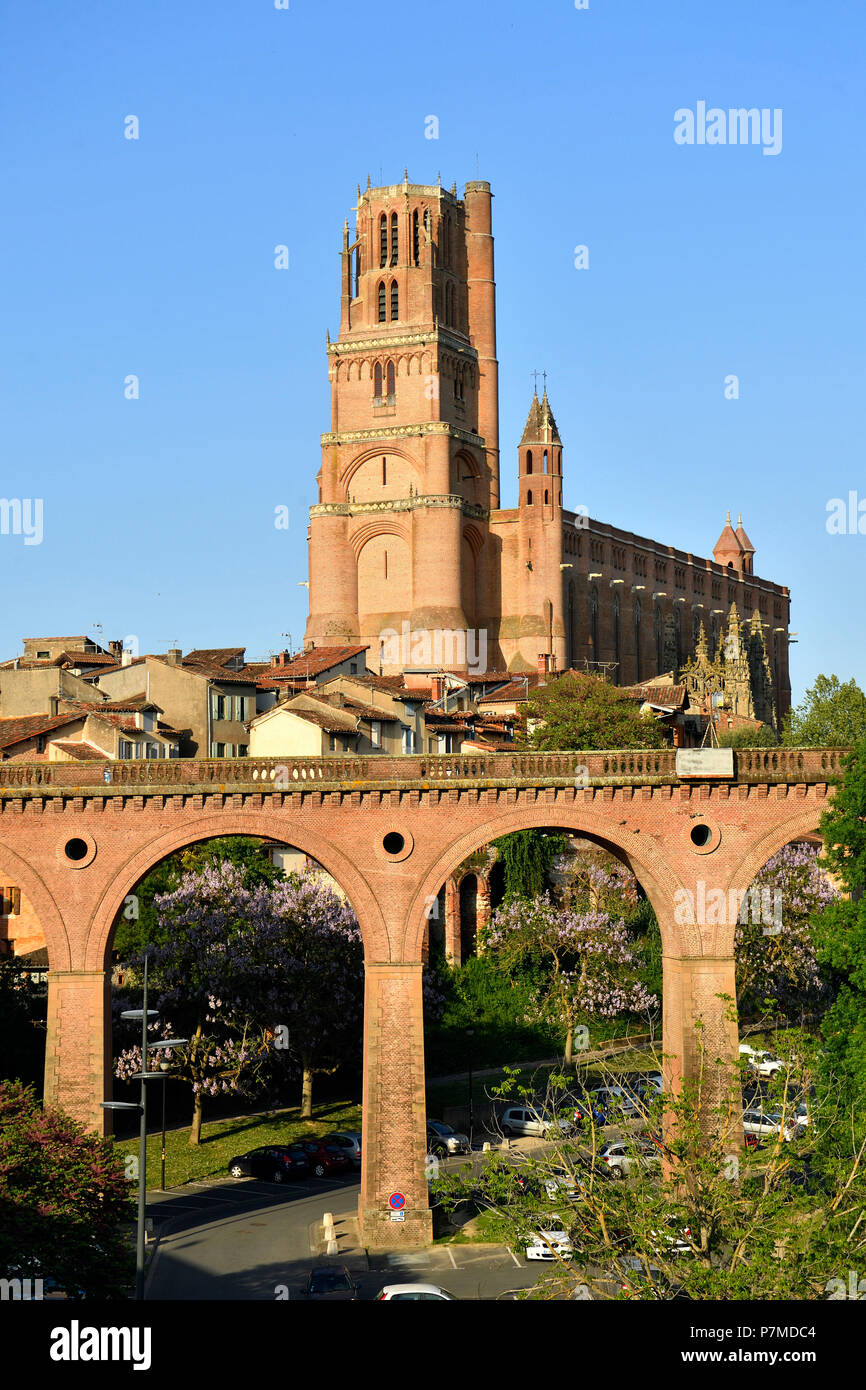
614, 768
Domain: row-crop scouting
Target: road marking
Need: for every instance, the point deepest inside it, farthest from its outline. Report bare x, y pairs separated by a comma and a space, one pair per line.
514, 1258
451, 1256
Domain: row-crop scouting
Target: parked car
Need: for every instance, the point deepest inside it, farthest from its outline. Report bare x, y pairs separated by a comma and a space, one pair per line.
535, 1122
549, 1239
416, 1293
349, 1140
442, 1140
676, 1240
623, 1155
331, 1284
325, 1159
617, 1100
276, 1162
759, 1123
764, 1063
639, 1278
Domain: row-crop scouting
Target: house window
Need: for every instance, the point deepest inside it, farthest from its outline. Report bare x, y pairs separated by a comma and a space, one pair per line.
40, 743
332, 743
124, 749
382, 315
153, 750
395, 300
43, 656
242, 750
376, 733
218, 706
218, 750
240, 707
408, 741
394, 238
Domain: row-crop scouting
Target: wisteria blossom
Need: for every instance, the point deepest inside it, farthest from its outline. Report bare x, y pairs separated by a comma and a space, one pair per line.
777, 961
587, 956
249, 973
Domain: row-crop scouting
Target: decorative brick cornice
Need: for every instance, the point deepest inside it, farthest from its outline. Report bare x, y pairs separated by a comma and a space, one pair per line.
403, 432
401, 504
349, 346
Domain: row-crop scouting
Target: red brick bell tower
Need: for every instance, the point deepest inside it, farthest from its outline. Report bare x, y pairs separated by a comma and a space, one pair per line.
541, 635
410, 466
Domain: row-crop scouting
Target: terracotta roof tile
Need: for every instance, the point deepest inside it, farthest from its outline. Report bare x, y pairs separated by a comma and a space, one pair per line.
315, 661
81, 752
22, 727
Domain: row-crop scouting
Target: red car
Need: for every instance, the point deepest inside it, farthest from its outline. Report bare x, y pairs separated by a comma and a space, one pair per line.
325, 1158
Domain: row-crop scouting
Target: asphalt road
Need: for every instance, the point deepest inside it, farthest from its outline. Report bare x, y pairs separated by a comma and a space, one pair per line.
247, 1239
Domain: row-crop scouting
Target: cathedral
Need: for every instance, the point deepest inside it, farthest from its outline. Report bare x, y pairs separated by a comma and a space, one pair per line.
408, 534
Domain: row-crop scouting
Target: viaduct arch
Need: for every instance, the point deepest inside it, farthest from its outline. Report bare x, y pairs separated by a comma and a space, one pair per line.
391, 831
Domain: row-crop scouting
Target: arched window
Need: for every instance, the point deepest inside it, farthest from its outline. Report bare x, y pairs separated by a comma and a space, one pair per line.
545, 497
395, 300
384, 473
382, 316
637, 620
383, 240
529, 460
377, 381
593, 622
395, 240
356, 285
391, 379
545, 460
416, 245
529, 499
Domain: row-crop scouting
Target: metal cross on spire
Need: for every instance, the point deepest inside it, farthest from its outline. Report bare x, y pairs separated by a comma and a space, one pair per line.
534, 376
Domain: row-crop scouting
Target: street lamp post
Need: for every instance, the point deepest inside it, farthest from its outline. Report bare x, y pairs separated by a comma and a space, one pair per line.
470, 1033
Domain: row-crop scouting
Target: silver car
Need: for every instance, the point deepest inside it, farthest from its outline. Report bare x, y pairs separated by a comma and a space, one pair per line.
526, 1120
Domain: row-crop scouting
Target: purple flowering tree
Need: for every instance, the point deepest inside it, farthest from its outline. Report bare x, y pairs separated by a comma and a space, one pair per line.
775, 952
249, 972
585, 956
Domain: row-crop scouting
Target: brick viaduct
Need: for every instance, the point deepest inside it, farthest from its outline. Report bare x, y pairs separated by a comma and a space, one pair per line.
391, 831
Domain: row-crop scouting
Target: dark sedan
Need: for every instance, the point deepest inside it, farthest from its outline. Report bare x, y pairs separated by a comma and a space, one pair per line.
277, 1163
331, 1284
326, 1160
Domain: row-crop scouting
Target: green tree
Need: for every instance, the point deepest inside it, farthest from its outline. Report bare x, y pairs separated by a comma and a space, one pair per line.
527, 858
840, 938
67, 1204
832, 715
583, 712
763, 737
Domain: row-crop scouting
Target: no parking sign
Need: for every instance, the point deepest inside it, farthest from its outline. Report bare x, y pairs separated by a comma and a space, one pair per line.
397, 1202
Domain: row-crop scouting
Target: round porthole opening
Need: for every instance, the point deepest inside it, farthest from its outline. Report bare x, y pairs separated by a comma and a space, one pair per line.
393, 842
701, 835
75, 849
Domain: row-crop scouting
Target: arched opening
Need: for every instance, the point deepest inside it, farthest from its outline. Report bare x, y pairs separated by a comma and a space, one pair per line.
395, 239
391, 376
395, 300
382, 302
377, 381
529, 460
383, 240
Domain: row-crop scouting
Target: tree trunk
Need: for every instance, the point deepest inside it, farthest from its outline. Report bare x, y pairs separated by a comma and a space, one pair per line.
569, 1046
195, 1131
307, 1094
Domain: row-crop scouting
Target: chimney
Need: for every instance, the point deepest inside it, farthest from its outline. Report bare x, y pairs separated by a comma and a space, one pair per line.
116, 648
126, 657
437, 687
53, 703
543, 663
174, 656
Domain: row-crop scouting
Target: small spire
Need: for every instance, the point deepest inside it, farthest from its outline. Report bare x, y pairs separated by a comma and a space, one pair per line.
739, 518
368, 182
358, 198
439, 179
346, 235
405, 175
727, 518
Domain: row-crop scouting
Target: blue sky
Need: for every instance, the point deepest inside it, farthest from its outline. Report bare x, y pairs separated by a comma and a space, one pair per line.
155, 257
